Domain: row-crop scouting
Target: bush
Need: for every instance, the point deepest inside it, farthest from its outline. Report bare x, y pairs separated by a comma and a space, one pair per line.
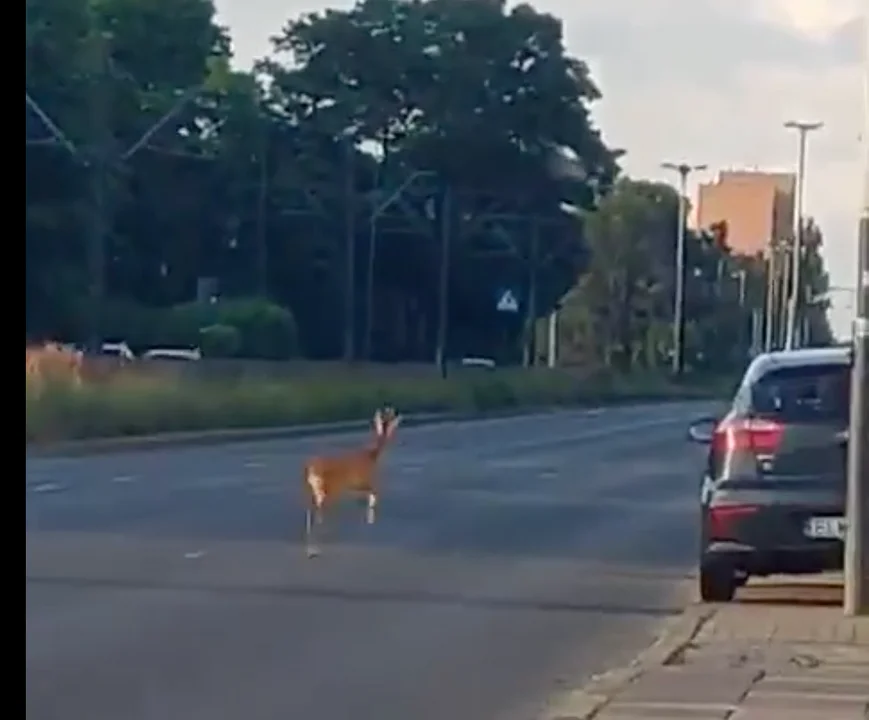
133, 402
265, 331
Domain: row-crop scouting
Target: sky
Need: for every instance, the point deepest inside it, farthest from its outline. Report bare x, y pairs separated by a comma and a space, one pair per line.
705, 82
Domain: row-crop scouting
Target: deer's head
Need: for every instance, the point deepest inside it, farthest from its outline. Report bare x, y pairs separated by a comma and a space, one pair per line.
386, 421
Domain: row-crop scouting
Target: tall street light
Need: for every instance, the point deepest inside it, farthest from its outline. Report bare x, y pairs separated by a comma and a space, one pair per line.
803, 129
684, 170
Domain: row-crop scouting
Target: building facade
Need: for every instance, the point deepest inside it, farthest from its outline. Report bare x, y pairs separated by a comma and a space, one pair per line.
758, 208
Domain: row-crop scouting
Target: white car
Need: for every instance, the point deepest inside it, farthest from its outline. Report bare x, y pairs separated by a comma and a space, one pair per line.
183, 354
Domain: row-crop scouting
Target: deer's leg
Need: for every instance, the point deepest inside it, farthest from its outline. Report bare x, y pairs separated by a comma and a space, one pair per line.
314, 513
370, 509
313, 518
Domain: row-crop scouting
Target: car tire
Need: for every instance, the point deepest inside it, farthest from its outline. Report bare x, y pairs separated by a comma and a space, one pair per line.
718, 583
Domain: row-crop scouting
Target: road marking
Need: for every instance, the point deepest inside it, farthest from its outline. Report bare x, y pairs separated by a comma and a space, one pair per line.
46, 488
195, 555
123, 479
253, 464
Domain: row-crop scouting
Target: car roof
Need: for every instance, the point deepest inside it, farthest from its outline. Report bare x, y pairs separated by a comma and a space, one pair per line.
802, 357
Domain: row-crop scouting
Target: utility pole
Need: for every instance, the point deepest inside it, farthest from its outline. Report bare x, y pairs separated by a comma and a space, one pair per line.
349, 251
786, 275
444, 281
857, 538
803, 129
684, 170
769, 320
529, 350
99, 155
383, 204
552, 338
262, 207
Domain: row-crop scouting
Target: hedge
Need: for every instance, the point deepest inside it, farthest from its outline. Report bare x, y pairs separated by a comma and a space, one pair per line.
130, 403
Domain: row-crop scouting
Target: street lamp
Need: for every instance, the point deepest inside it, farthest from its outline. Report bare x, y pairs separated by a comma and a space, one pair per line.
684, 170
803, 129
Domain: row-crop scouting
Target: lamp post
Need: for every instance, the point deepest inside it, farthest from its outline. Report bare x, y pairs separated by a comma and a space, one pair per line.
684, 170
803, 129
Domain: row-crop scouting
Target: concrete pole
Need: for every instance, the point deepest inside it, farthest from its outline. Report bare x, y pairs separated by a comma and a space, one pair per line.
552, 340
857, 539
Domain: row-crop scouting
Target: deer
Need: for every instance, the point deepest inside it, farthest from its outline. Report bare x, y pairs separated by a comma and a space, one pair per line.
326, 478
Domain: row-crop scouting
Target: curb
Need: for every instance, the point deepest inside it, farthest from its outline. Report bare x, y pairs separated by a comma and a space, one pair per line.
97, 446
586, 702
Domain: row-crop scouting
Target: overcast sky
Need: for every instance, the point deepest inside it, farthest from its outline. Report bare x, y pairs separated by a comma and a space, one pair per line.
705, 81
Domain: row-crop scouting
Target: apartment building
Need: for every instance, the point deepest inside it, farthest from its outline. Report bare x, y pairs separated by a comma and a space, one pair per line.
758, 208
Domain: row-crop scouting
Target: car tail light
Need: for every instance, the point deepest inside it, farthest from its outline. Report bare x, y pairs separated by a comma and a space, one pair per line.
761, 437
722, 518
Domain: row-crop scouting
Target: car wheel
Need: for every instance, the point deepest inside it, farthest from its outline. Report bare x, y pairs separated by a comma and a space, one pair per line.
717, 583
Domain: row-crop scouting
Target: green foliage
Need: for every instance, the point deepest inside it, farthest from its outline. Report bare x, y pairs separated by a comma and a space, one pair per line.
247, 181
620, 313
262, 329
265, 330
263, 180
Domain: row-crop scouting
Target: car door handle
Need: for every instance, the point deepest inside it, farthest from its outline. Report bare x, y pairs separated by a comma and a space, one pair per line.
842, 437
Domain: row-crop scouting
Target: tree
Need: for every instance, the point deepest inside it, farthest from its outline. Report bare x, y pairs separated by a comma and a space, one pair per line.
816, 304
620, 313
333, 178
480, 98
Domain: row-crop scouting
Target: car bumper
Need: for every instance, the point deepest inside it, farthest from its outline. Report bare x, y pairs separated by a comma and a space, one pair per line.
805, 558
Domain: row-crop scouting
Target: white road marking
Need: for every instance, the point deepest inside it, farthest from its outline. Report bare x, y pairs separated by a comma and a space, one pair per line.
254, 464
123, 479
46, 487
195, 555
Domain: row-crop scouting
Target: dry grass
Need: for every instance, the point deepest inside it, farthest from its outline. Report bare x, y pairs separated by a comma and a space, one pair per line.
138, 399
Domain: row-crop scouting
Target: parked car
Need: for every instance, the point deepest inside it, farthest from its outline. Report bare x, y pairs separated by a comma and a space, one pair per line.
118, 350
180, 354
774, 486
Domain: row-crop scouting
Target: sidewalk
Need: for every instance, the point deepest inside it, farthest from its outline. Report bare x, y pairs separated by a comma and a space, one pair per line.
755, 659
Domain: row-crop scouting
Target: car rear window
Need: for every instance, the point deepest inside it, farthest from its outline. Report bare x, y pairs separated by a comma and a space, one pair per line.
819, 392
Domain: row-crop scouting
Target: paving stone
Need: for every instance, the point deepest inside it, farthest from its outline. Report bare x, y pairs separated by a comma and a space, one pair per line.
823, 673
661, 712
687, 687
816, 687
765, 713
821, 705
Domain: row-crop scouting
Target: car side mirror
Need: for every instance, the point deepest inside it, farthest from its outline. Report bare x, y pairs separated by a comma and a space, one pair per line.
701, 430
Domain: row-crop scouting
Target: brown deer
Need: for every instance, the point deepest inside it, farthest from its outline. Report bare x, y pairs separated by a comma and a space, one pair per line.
326, 478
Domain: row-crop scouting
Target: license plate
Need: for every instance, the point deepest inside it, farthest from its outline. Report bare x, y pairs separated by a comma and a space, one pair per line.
825, 528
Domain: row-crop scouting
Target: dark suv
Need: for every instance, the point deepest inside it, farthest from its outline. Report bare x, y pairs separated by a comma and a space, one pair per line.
773, 497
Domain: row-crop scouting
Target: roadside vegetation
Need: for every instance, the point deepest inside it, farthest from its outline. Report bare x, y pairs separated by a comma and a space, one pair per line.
132, 402
368, 192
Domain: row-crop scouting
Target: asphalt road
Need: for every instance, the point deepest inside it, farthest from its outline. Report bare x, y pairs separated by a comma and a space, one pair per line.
510, 558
